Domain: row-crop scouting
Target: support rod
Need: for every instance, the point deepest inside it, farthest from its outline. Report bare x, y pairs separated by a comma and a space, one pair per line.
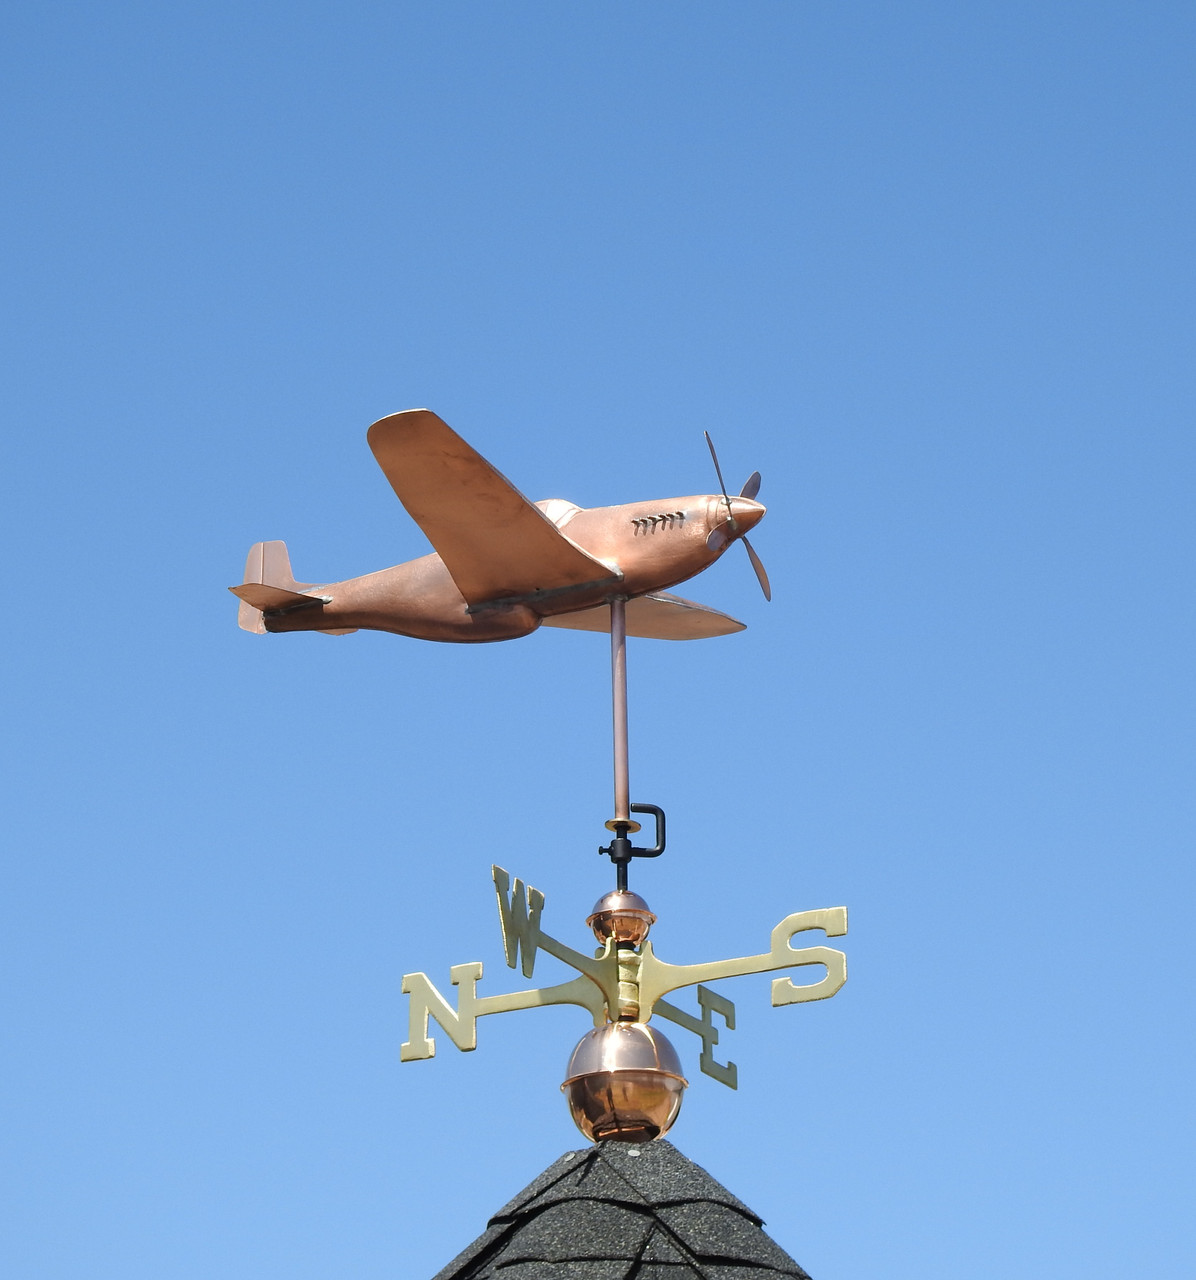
618, 672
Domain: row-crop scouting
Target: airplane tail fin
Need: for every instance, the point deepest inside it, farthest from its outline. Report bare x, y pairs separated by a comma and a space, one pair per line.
269, 584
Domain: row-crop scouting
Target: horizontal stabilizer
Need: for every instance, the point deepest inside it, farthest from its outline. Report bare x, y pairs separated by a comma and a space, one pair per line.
263, 596
659, 616
269, 586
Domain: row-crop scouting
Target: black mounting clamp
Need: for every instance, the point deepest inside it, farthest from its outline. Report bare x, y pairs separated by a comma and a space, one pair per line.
621, 850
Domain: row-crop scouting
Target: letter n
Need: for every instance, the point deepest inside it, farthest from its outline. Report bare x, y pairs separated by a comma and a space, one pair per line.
427, 1002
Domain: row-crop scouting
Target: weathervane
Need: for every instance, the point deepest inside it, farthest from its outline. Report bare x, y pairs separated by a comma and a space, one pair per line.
622, 987
504, 566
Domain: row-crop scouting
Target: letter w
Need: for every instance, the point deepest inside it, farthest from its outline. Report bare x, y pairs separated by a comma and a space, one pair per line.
519, 915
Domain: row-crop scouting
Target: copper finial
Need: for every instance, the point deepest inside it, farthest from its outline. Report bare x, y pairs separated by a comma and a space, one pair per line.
621, 915
624, 1083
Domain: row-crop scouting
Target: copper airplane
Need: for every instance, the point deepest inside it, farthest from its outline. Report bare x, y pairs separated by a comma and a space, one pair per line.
503, 565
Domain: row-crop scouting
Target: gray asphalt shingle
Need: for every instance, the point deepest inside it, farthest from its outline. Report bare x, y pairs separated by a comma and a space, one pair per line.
623, 1211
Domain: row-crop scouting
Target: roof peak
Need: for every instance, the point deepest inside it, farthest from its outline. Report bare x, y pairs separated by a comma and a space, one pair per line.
623, 1211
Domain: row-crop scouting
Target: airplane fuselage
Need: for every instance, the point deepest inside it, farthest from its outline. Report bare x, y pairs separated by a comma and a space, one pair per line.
647, 546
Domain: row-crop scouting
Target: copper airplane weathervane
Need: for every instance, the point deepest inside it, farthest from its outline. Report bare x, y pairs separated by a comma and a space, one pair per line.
504, 566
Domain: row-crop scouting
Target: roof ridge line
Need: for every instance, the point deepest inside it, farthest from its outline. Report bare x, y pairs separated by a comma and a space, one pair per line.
663, 1226
567, 1171
743, 1210
684, 1252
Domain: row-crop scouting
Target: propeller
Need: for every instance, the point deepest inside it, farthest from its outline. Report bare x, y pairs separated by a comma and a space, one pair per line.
749, 490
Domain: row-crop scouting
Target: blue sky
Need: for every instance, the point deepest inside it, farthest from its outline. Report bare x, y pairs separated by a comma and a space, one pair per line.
929, 268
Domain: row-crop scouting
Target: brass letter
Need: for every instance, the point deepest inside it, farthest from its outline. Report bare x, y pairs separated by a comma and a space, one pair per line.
833, 922
426, 1001
712, 1003
520, 925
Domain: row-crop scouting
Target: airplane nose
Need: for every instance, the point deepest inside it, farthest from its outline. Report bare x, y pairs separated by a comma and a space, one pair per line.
747, 512
726, 526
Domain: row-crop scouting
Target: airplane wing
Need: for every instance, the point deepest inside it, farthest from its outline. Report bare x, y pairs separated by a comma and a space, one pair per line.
492, 540
659, 616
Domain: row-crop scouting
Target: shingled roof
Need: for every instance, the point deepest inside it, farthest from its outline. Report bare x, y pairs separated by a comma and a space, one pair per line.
623, 1211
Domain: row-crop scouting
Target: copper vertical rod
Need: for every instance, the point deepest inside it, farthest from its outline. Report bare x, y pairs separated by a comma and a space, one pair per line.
618, 672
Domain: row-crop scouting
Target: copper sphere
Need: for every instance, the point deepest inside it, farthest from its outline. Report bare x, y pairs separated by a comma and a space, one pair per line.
624, 1083
623, 915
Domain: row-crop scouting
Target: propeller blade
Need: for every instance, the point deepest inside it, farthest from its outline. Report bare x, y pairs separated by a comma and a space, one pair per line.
719, 473
718, 538
761, 575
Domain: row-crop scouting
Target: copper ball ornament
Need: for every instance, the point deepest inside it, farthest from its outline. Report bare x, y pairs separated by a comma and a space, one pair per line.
623, 915
624, 1083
